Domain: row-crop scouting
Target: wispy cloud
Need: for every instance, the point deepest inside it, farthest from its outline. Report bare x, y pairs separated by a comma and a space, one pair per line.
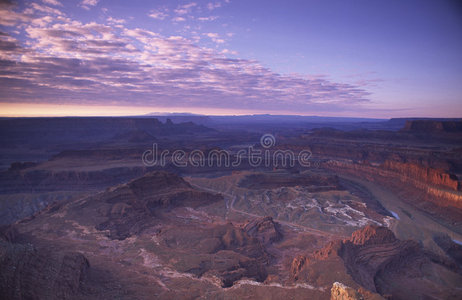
112, 20
8, 17
159, 14
185, 8
210, 18
184, 12
63, 60
179, 19
53, 2
213, 5
45, 9
87, 4
215, 37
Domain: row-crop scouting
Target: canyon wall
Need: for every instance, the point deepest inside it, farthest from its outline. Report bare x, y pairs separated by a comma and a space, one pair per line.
440, 187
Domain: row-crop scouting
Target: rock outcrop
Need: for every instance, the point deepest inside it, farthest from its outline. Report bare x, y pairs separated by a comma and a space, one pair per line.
339, 291
372, 250
158, 189
298, 263
372, 235
128, 208
225, 252
264, 229
380, 263
422, 174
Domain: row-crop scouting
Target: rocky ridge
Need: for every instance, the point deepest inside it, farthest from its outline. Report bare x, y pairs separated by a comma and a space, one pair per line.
375, 260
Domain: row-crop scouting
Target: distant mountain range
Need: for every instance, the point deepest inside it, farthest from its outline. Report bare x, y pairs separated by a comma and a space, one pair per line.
260, 122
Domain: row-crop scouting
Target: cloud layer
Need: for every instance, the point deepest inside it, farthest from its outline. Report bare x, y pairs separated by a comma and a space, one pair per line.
47, 57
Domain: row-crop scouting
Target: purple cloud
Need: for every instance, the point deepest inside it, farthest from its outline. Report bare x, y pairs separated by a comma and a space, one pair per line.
66, 61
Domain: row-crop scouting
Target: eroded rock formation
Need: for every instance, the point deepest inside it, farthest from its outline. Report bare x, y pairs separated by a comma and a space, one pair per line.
264, 229
380, 263
128, 208
423, 174
340, 291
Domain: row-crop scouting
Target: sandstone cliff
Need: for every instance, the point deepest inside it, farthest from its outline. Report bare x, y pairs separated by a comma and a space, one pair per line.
438, 187
423, 174
380, 263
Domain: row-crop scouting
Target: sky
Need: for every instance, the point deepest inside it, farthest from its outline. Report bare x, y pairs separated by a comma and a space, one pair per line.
368, 58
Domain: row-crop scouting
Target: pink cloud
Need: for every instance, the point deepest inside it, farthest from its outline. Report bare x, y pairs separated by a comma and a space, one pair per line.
87, 4
52, 2
67, 61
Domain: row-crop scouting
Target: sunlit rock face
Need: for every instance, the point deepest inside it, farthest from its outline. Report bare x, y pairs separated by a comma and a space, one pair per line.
374, 259
340, 291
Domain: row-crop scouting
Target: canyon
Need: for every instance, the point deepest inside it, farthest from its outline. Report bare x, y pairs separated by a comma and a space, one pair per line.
376, 214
